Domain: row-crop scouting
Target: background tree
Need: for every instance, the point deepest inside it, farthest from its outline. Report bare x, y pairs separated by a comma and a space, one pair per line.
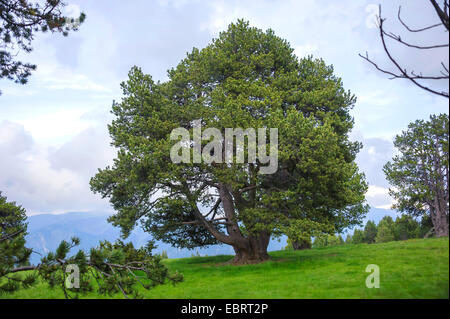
115, 268
426, 226
13, 253
326, 240
406, 227
246, 78
358, 236
349, 239
385, 234
300, 244
320, 241
385, 230
419, 174
20, 20
416, 76
370, 232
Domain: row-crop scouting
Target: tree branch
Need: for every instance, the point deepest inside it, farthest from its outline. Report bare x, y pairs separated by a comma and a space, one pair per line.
443, 14
413, 77
414, 30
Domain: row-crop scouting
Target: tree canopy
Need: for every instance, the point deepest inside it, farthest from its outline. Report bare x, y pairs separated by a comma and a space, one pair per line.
247, 79
419, 173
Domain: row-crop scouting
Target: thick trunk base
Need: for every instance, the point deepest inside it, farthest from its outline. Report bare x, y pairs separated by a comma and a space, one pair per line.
440, 223
253, 251
244, 258
442, 231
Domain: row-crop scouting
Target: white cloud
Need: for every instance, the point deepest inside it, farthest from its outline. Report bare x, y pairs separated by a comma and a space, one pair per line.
72, 10
57, 77
375, 191
17, 91
378, 197
59, 125
223, 13
177, 4
48, 180
377, 98
14, 139
305, 50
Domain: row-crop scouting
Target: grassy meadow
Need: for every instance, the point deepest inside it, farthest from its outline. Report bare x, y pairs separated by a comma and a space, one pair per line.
416, 268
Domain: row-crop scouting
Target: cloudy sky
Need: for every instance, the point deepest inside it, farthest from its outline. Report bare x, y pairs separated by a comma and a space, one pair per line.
53, 133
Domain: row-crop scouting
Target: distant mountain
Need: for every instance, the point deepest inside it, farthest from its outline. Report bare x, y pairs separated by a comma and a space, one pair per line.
46, 231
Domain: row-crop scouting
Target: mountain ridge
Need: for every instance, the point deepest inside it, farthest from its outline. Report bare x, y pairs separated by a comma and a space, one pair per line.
46, 231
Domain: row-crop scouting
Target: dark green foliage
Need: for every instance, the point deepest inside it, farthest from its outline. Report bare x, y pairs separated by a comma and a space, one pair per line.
299, 244
327, 240
358, 237
406, 227
426, 226
385, 234
370, 232
13, 253
167, 224
385, 230
403, 228
19, 21
419, 174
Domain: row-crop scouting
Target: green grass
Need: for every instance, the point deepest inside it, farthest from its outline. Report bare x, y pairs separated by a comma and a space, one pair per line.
408, 269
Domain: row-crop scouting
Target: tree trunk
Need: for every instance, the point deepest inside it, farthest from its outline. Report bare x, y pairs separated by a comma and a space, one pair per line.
441, 223
252, 251
301, 244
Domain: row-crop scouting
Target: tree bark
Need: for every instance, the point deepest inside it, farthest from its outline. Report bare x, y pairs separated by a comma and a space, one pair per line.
301, 244
253, 251
249, 250
441, 223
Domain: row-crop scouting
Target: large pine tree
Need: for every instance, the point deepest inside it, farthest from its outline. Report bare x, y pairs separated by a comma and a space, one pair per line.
246, 78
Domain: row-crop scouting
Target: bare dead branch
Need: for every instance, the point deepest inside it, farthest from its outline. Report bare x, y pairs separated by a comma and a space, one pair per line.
414, 30
421, 47
412, 75
403, 73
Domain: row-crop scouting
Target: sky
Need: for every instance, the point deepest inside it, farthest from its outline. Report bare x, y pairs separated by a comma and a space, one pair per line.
53, 130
